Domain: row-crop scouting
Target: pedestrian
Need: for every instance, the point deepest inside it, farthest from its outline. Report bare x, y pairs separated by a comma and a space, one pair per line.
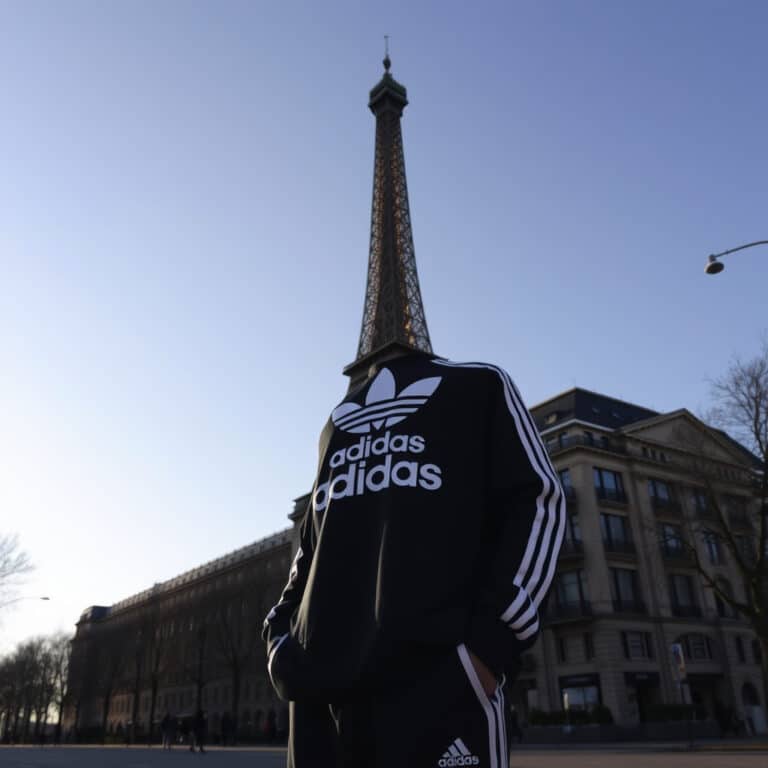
165, 725
185, 731
198, 732
173, 727
428, 545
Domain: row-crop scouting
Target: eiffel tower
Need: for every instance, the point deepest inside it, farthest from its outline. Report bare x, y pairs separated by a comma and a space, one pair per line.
393, 313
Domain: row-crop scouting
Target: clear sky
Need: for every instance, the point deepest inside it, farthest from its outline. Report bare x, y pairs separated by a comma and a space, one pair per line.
184, 218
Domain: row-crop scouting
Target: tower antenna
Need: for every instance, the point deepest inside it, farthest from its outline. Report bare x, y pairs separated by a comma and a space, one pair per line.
387, 60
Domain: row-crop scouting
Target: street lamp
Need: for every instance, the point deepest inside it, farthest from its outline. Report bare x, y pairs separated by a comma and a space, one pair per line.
24, 597
714, 266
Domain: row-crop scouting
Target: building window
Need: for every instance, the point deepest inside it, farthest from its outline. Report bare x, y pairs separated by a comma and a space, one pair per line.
713, 547
697, 647
572, 528
565, 479
616, 533
660, 491
562, 650
701, 502
570, 589
757, 652
637, 645
671, 540
625, 590
740, 654
724, 608
682, 595
608, 484
580, 691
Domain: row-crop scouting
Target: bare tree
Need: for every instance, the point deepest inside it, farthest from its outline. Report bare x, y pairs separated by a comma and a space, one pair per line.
138, 660
9, 692
157, 647
738, 525
198, 653
60, 646
238, 632
43, 689
14, 565
113, 655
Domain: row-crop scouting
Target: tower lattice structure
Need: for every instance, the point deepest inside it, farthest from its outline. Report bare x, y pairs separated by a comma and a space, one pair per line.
393, 313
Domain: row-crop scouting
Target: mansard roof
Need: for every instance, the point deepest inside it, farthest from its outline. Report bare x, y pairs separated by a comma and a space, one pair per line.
589, 407
201, 571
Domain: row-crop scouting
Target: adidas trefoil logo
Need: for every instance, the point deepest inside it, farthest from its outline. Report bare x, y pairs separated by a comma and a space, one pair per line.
458, 754
383, 407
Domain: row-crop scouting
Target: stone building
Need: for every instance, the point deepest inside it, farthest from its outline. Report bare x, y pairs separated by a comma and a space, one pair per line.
644, 490
191, 642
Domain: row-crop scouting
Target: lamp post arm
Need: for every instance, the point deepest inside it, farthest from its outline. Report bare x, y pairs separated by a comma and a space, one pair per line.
740, 248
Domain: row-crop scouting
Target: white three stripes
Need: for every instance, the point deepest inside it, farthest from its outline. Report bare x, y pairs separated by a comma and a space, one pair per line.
549, 504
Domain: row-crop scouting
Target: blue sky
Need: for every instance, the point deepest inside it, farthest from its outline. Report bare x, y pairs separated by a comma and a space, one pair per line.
184, 219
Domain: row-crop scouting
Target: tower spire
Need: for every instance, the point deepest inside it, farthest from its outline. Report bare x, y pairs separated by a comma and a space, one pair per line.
393, 313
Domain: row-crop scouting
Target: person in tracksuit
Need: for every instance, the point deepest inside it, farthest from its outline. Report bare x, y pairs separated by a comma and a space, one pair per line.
426, 551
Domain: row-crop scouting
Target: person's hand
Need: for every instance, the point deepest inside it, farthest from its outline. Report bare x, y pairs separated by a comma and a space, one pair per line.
487, 678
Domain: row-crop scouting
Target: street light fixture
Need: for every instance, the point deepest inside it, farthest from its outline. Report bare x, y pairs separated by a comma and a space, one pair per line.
714, 266
24, 597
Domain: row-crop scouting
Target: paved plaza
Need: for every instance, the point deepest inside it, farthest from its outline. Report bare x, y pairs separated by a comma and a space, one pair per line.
636, 756
120, 757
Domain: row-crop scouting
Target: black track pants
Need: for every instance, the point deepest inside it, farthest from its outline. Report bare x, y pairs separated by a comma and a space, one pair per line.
439, 718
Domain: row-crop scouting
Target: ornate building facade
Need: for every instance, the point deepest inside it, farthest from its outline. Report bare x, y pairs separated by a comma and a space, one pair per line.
652, 500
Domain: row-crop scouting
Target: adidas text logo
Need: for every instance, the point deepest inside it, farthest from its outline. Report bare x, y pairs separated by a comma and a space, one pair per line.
458, 754
363, 476
382, 406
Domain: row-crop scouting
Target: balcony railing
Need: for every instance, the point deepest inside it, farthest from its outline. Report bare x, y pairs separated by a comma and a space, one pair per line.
572, 548
666, 506
629, 606
568, 611
619, 546
570, 441
686, 611
611, 494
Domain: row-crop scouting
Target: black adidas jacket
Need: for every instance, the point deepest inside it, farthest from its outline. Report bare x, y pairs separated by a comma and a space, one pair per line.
435, 519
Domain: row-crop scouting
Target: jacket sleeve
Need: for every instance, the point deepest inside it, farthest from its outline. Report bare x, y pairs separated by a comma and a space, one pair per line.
277, 625
526, 521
